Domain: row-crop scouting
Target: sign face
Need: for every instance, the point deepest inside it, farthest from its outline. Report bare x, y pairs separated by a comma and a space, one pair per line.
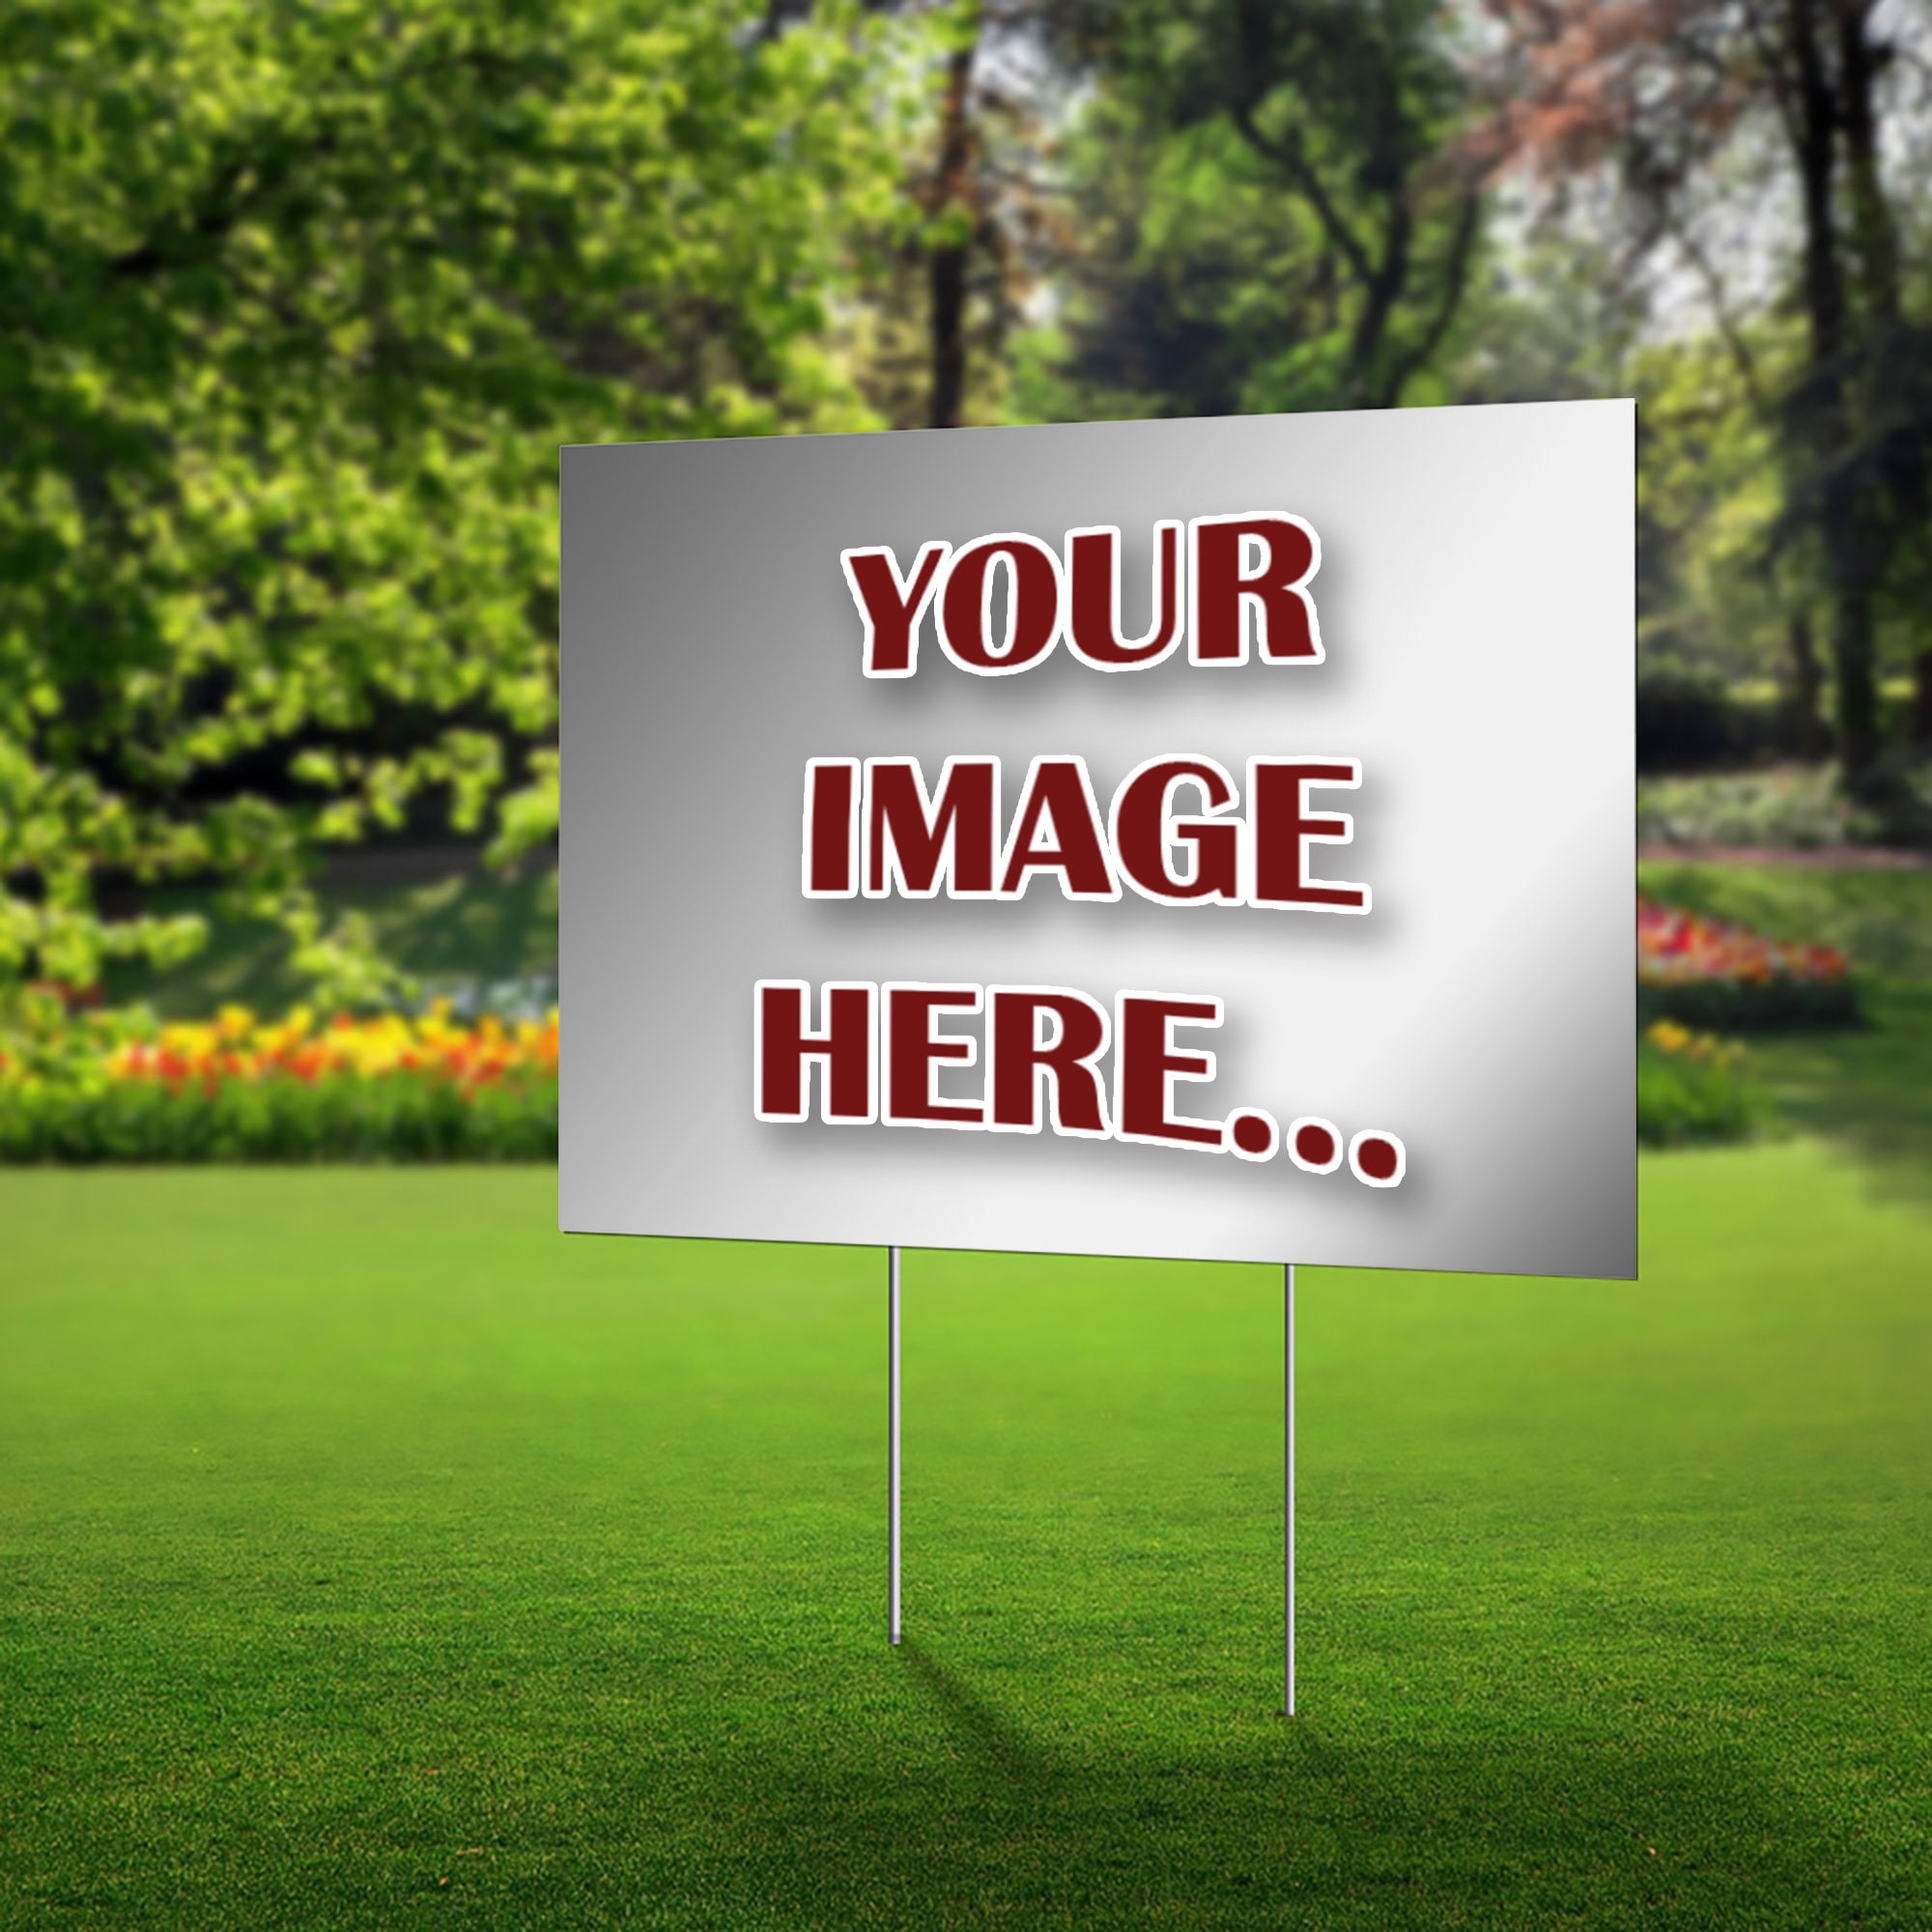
1205, 838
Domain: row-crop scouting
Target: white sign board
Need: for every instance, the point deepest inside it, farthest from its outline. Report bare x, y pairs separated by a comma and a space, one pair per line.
1206, 839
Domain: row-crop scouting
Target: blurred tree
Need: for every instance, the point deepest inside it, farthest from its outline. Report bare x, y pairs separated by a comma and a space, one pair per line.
1724, 595
1720, 589
961, 220
1277, 212
300, 302
978, 225
1669, 93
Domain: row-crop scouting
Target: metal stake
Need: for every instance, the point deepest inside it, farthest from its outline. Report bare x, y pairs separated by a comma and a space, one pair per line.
893, 1441
1288, 1485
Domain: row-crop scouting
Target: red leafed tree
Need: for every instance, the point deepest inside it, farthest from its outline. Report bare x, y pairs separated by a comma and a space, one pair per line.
1657, 95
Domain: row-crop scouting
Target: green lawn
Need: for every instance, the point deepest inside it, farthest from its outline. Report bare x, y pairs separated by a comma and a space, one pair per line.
371, 1557
1867, 1089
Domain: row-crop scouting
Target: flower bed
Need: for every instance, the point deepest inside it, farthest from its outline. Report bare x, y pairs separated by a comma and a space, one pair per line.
105, 1087
387, 1088
1691, 1087
1707, 973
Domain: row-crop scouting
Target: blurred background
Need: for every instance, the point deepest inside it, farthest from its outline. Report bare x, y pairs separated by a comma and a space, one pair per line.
300, 300
364, 1545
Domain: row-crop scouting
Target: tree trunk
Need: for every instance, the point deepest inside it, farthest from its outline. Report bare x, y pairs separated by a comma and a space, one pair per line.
949, 259
1921, 697
1874, 233
1808, 686
1822, 418
1854, 650
1386, 175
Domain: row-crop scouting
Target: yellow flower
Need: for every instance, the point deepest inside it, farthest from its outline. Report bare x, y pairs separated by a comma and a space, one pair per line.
1668, 1036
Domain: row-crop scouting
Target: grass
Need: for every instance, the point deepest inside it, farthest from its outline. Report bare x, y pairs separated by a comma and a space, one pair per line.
1867, 1089
1883, 918
370, 1556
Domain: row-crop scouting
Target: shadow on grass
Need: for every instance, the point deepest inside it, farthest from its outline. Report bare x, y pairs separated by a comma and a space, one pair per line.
952, 1812
984, 1736
1867, 1088
1301, 1828
935, 1807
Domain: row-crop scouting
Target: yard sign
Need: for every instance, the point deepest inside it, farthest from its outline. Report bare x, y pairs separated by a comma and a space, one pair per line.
1192, 838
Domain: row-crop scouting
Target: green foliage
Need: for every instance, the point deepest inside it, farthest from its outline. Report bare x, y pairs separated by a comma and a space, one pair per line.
301, 301
1744, 1006
336, 1118
476, 928
1274, 214
1721, 569
1693, 1090
115, 1086
1687, 722
1797, 805
1551, 320
1882, 917
1186, 300
1868, 1089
